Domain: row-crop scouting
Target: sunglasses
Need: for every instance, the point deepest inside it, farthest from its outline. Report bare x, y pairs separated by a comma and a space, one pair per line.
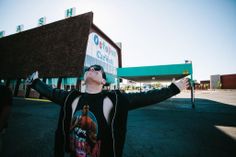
97, 68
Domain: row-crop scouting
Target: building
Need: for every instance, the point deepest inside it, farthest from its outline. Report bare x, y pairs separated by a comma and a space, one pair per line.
227, 81
60, 51
205, 84
215, 82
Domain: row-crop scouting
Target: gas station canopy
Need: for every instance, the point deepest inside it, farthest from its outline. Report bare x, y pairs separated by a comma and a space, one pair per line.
155, 73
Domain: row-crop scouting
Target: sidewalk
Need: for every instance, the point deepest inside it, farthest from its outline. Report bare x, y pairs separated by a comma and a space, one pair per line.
222, 96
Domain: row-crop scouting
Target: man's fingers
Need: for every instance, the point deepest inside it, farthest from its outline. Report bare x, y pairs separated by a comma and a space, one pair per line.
173, 80
185, 83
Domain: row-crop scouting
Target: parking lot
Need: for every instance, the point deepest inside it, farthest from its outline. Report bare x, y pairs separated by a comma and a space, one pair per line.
171, 128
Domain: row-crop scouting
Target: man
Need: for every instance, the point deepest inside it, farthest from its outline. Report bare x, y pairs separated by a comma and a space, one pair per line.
93, 124
5, 107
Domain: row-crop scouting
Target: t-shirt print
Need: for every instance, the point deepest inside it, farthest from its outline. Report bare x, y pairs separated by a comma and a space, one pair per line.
83, 134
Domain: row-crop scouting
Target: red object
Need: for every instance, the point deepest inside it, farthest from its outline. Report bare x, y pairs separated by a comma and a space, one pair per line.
228, 81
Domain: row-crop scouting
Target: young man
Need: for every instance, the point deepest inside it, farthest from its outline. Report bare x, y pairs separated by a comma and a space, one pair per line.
93, 124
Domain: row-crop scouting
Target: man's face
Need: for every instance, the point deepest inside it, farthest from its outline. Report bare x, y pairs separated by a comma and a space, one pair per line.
94, 75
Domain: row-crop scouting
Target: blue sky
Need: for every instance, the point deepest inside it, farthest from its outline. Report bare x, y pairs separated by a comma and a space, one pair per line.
153, 32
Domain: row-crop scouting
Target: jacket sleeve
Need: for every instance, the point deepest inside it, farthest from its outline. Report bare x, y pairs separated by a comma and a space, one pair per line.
137, 100
56, 95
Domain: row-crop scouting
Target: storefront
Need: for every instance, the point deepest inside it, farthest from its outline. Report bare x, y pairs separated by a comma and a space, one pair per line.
60, 51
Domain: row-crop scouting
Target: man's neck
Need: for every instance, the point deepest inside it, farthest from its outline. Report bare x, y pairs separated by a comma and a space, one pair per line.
93, 88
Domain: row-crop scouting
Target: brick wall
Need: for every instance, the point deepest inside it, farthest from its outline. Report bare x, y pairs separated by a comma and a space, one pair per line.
228, 81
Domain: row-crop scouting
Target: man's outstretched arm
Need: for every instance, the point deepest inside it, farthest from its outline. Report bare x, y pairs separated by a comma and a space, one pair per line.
56, 95
137, 100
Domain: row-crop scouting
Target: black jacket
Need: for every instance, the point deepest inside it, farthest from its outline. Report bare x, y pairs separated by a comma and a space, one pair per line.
122, 103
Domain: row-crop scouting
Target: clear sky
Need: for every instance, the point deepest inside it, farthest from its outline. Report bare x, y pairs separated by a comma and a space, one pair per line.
153, 32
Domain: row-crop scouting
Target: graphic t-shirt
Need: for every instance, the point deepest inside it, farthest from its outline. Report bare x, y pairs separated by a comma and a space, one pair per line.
90, 135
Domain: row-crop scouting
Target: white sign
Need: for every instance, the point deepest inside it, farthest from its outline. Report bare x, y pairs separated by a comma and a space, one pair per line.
99, 51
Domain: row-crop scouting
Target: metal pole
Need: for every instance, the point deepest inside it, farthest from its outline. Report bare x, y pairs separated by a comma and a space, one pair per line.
78, 83
59, 82
192, 91
140, 88
40, 95
18, 81
27, 92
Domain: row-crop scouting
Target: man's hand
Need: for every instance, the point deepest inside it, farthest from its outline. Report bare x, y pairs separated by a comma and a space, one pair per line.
182, 83
31, 78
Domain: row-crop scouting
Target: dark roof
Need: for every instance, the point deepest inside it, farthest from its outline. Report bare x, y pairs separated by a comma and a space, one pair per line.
55, 50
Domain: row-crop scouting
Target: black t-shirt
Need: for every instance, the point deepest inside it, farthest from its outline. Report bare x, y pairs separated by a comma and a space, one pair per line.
90, 134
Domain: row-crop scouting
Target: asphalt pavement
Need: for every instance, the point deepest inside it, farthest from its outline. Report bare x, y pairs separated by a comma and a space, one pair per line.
168, 129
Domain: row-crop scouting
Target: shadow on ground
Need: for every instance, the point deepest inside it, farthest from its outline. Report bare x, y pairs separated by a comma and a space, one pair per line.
173, 128
168, 129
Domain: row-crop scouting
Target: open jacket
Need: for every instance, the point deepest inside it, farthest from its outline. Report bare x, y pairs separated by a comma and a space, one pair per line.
122, 103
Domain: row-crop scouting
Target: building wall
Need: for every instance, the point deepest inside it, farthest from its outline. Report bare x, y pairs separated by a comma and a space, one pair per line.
204, 84
215, 82
57, 50
228, 81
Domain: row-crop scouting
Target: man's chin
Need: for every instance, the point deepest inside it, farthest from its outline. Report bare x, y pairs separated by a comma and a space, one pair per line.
92, 81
